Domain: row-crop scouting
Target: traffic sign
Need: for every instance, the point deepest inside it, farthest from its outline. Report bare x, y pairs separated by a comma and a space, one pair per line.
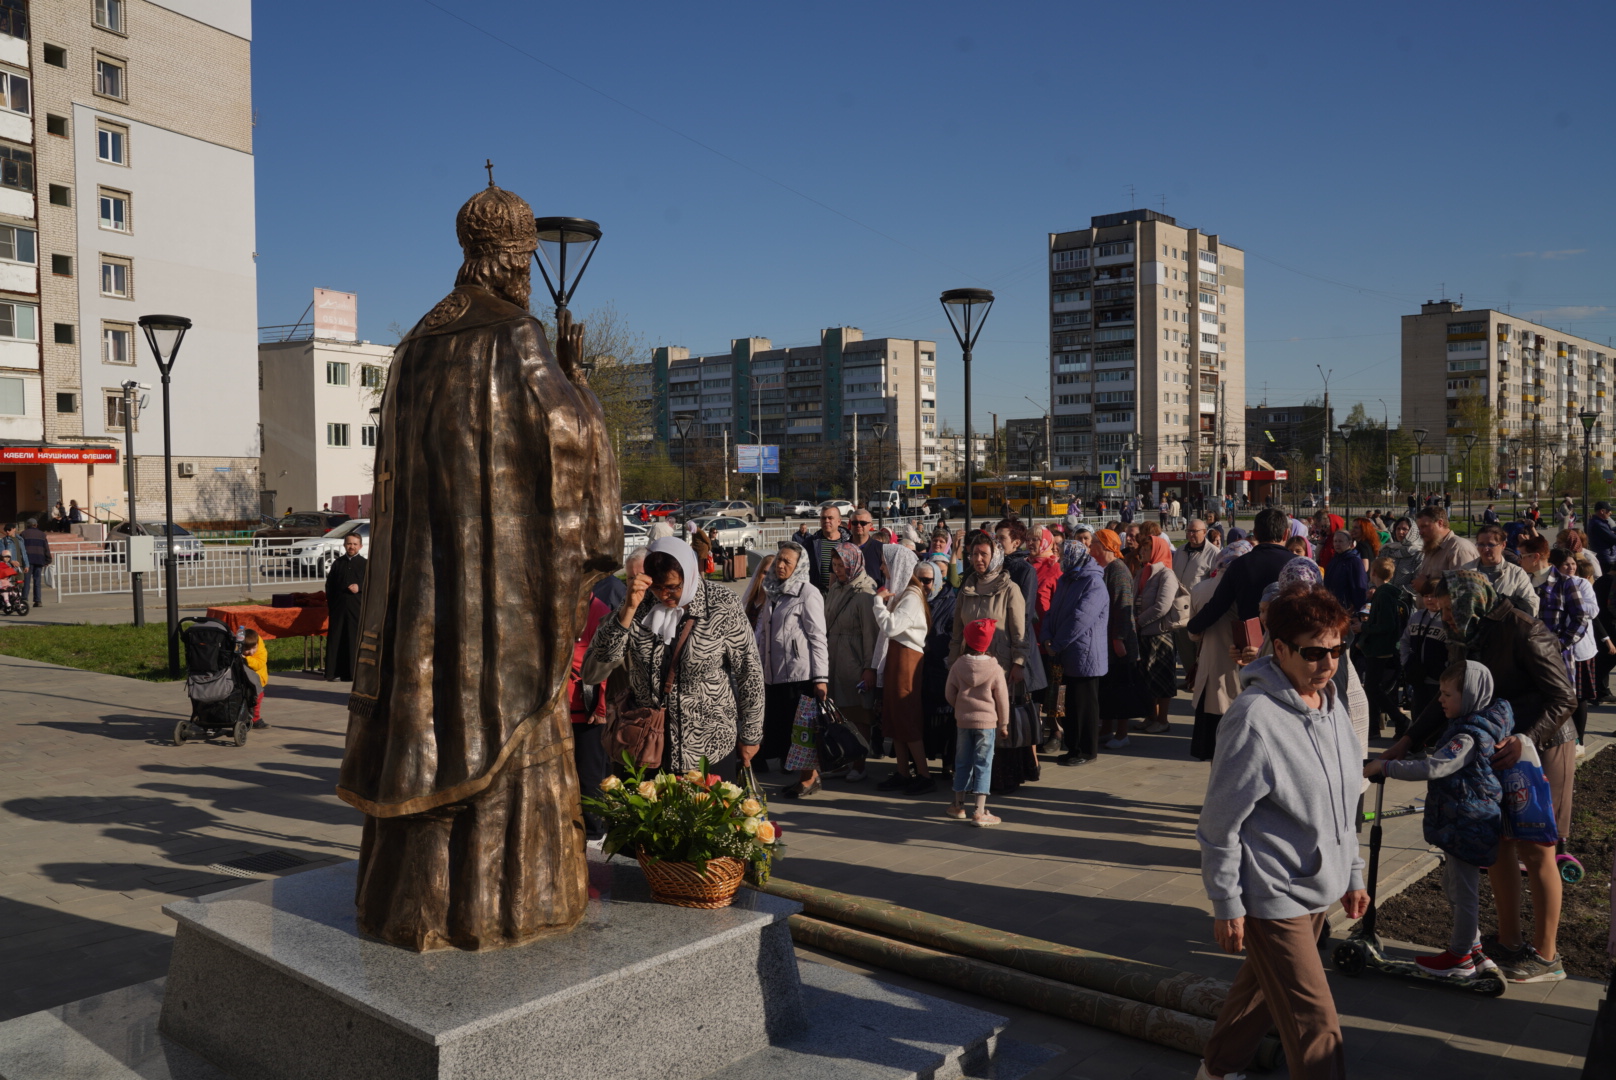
1318, 474
1514, 474
917, 481
1111, 479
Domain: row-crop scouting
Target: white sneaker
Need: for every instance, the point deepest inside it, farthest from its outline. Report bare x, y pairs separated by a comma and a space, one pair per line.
1117, 744
855, 775
1202, 1074
1158, 727
1581, 749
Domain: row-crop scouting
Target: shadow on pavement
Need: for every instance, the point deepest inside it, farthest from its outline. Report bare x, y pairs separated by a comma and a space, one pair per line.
37, 938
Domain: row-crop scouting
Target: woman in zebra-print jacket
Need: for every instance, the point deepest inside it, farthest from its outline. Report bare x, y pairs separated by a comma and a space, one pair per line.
715, 707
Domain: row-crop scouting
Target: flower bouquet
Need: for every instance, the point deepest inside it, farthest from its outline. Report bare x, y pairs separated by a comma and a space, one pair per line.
696, 835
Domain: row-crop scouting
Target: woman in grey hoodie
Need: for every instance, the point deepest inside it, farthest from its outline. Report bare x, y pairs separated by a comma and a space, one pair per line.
1278, 843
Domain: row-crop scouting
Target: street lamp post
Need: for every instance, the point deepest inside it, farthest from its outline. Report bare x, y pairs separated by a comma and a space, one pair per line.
1471, 438
879, 430
1346, 470
682, 424
137, 578
559, 236
164, 333
1515, 482
1589, 420
967, 310
1419, 434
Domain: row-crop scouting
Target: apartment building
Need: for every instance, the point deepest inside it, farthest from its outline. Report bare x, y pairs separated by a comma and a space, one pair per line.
1277, 432
315, 396
1502, 378
807, 399
126, 188
1147, 333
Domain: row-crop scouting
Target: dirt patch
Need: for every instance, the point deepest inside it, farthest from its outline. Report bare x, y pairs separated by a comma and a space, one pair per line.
1420, 914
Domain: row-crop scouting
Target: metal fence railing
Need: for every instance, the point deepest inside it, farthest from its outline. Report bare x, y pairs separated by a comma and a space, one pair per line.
212, 564
774, 533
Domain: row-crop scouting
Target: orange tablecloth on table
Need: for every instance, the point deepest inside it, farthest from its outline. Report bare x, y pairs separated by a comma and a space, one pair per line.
273, 622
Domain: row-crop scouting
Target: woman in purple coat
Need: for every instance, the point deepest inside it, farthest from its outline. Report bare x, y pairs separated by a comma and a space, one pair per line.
1074, 634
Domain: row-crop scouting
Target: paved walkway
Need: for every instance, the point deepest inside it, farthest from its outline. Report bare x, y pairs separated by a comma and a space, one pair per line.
102, 820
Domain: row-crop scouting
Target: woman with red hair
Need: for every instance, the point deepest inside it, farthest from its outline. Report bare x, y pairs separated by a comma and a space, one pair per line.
1160, 610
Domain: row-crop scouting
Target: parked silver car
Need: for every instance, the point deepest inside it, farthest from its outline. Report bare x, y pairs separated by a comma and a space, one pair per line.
733, 532
313, 556
187, 548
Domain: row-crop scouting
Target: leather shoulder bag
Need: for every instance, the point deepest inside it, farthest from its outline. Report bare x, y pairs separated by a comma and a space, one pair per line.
642, 732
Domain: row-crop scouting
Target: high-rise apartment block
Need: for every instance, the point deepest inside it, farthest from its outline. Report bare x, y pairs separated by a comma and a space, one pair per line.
1147, 334
126, 188
1502, 377
807, 398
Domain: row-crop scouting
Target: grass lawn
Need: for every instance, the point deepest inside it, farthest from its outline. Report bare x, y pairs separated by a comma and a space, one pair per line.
136, 652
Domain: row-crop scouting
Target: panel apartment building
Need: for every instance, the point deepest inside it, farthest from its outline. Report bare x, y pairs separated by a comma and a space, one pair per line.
807, 396
1147, 334
1533, 379
126, 188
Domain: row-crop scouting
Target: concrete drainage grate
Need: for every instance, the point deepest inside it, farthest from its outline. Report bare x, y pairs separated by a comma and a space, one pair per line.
252, 866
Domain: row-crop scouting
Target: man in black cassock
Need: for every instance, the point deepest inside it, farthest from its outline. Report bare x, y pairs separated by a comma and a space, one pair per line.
343, 585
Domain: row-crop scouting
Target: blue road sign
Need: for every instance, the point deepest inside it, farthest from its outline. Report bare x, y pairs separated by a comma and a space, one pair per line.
1111, 479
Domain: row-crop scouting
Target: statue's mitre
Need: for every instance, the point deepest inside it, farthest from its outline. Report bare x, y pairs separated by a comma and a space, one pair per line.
495, 221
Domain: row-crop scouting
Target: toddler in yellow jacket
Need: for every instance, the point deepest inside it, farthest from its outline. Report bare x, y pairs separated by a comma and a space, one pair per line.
257, 656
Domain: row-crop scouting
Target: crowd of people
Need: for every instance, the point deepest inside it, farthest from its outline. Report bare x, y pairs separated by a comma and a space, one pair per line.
964, 656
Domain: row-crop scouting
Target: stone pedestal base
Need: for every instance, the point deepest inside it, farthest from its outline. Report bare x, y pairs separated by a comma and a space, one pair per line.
271, 982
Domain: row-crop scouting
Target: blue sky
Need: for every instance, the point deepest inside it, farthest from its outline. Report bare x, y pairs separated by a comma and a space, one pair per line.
774, 169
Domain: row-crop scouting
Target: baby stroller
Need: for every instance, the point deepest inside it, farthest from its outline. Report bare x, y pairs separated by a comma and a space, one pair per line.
221, 688
12, 598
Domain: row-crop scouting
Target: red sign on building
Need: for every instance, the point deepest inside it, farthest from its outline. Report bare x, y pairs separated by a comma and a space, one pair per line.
58, 455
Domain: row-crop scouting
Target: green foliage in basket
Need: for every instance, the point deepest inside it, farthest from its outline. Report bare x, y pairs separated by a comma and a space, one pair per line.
689, 818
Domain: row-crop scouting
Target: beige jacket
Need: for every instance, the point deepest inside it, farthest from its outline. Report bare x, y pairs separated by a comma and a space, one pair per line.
1001, 601
851, 634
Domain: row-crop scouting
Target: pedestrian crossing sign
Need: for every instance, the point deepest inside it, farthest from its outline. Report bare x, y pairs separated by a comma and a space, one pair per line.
917, 481
1110, 479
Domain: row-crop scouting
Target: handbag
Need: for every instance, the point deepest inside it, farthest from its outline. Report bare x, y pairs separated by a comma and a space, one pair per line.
840, 743
641, 732
1024, 724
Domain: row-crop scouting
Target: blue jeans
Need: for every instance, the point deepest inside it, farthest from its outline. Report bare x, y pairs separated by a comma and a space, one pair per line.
973, 760
37, 575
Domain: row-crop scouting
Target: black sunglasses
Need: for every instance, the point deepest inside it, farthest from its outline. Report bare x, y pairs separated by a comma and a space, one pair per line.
1314, 653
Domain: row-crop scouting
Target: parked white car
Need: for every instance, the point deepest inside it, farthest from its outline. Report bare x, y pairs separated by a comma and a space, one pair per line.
733, 532
313, 556
634, 536
801, 508
841, 504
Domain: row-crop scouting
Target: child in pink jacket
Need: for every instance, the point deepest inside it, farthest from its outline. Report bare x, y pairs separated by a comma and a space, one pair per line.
981, 700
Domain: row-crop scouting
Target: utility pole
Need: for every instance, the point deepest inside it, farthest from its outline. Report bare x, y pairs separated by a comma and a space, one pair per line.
1326, 426
855, 461
998, 466
726, 464
1221, 473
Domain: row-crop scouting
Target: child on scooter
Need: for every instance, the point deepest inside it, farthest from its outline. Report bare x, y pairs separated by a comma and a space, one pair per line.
1463, 815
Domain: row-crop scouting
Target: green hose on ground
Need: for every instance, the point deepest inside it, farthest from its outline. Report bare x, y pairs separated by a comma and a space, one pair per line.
1152, 984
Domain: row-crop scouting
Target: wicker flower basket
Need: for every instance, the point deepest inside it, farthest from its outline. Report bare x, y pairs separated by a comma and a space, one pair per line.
680, 884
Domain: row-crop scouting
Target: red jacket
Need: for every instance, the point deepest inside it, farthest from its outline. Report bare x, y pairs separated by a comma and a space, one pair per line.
575, 689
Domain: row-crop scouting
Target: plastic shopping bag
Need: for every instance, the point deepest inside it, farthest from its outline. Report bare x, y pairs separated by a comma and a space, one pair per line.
1528, 807
804, 752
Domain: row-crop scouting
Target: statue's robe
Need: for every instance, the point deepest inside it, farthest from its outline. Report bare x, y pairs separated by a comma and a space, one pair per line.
494, 512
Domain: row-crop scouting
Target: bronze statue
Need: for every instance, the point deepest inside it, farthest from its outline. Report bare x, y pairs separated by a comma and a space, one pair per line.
494, 512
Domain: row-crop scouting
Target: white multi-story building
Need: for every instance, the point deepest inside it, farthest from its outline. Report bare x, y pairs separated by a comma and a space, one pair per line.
1147, 332
126, 188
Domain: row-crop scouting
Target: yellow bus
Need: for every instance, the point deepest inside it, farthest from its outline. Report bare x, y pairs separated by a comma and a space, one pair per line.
994, 497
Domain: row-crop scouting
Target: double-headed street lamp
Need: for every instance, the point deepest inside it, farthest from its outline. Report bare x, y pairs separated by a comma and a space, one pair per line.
164, 333
1419, 434
683, 423
1590, 420
967, 310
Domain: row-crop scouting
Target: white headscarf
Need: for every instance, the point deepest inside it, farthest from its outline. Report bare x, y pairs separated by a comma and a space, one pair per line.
663, 621
900, 563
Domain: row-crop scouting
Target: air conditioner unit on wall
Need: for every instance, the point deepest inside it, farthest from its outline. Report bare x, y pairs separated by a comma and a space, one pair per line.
187, 468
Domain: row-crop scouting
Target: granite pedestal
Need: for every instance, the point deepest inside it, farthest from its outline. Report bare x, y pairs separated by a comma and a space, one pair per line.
272, 981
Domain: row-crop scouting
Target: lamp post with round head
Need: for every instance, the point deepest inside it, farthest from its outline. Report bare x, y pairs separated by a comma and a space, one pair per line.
165, 333
683, 423
1471, 438
1515, 482
560, 237
1346, 470
1419, 434
967, 310
879, 430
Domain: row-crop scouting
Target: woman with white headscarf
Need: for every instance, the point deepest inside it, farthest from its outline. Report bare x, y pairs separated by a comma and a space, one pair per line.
904, 618
715, 705
791, 647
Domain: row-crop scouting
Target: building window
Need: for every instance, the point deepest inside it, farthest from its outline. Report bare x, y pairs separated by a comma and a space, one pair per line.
367, 435
1209, 259
110, 144
13, 402
117, 417
336, 374
16, 167
18, 245
60, 195
14, 18
14, 92
67, 403
55, 125
372, 377
18, 322
63, 333
336, 434
109, 15
116, 275
114, 210
56, 56
62, 265
109, 78
1123, 248
117, 341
